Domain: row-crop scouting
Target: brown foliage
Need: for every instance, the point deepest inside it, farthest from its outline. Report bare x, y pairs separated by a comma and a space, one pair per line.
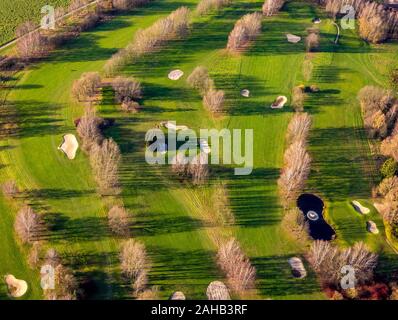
298, 128
312, 41
34, 254
65, 287
135, 264
237, 267
205, 6
222, 206
126, 89
31, 44
294, 223
200, 80
271, 7
118, 220
298, 97
88, 130
308, 68
27, 224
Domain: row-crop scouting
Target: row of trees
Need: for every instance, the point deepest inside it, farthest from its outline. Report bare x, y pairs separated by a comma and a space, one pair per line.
297, 161
240, 274
380, 110
213, 99
205, 6
328, 260
377, 22
246, 29
174, 26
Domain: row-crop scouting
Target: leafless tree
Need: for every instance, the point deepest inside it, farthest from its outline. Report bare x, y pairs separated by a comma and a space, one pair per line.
298, 128
204, 6
198, 168
312, 41
298, 97
135, 264
372, 25
237, 267
27, 224
200, 80
118, 219
30, 44
308, 68
245, 29
271, 7
52, 257
126, 89
389, 147
88, 130
105, 159
214, 100
86, 87
34, 254
222, 206
295, 224
66, 285
10, 189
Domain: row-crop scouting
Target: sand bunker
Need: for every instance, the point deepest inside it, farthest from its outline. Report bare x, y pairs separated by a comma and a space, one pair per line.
297, 266
178, 295
172, 126
69, 146
293, 38
204, 146
175, 75
245, 93
372, 227
16, 287
360, 208
279, 102
217, 291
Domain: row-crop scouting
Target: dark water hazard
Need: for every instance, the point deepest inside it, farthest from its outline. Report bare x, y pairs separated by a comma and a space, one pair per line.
312, 208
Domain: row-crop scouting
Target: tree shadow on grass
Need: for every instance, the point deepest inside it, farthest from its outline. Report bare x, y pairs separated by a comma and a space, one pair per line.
276, 279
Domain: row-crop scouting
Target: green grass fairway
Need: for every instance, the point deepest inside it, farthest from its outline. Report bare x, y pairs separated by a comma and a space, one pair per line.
170, 216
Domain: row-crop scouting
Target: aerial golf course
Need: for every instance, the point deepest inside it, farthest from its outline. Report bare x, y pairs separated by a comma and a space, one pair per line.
173, 219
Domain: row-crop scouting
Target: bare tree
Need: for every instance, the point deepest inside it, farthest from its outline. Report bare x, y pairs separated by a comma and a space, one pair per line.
88, 130
86, 87
65, 286
200, 80
298, 128
118, 219
295, 224
52, 257
10, 189
298, 97
245, 29
308, 68
105, 159
271, 7
214, 100
389, 147
135, 264
27, 224
221, 203
204, 6
34, 254
30, 44
312, 40
198, 168
372, 25
126, 89
237, 267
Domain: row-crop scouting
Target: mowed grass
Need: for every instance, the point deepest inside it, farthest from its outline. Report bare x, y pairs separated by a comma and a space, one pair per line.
169, 216
14, 12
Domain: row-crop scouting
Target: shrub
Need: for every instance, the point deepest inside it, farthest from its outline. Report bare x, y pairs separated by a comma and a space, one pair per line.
389, 168
27, 224
214, 100
105, 159
118, 219
86, 87
237, 267
134, 264
200, 80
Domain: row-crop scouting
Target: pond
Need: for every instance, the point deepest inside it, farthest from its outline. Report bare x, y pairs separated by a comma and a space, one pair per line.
312, 208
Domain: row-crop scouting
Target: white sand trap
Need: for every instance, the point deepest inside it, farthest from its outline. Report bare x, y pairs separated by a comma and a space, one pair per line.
245, 93
279, 102
69, 146
175, 75
217, 291
178, 295
293, 38
204, 146
372, 227
16, 287
360, 208
297, 266
172, 126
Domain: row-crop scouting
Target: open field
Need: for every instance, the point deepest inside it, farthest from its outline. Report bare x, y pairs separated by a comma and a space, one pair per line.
169, 216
